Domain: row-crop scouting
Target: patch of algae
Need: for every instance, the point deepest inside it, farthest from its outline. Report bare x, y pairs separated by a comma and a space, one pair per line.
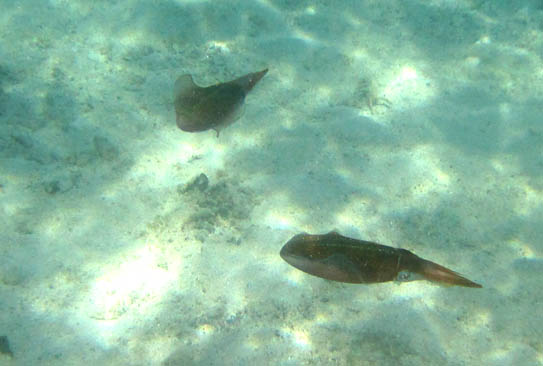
204, 209
225, 203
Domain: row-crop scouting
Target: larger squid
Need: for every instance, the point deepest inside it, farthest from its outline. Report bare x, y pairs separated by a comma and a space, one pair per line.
338, 258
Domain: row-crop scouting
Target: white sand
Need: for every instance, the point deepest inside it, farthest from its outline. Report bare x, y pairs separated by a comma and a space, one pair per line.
105, 260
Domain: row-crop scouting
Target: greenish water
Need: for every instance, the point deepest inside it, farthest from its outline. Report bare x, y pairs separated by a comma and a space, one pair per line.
126, 241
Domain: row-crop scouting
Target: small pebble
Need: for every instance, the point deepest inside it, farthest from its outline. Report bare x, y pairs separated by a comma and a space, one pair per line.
200, 183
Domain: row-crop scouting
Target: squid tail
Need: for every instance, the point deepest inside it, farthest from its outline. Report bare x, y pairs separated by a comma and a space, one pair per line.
436, 273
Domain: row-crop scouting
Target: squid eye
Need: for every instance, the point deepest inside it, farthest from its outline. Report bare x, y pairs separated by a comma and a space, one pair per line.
404, 276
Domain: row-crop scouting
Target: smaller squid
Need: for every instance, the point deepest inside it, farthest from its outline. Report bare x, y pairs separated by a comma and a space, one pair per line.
338, 258
199, 108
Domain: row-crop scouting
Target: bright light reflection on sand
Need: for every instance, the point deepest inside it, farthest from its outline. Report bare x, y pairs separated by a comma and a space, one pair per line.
287, 123
426, 164
295, 277
310, 10
407, 73
305, 37
218, 45
345, 219
278, 221
408, 85
204, 331
299, 337
523, 249
478, 321
137, 284
530, 202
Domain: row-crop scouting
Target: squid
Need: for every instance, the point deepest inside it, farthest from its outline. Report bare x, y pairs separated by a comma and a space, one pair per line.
338, 258
213, 107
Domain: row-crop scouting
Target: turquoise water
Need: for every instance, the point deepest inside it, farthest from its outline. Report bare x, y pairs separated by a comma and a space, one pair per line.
126, 241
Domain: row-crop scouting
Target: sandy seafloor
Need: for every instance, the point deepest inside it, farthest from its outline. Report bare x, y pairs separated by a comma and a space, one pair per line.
109, 256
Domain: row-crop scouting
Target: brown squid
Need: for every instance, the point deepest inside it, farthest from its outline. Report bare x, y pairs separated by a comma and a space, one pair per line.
212, 107
338, 258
